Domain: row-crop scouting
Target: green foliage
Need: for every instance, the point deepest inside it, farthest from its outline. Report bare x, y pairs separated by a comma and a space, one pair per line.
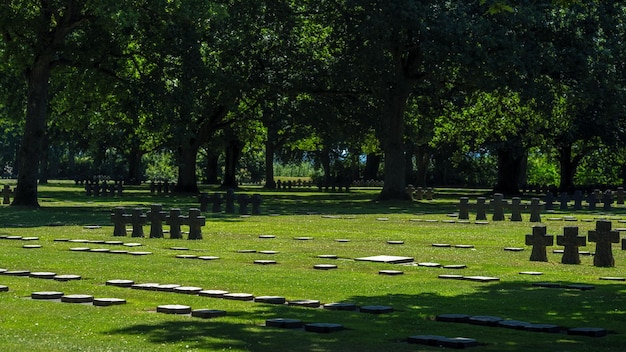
160, 166
602, 166
542, 169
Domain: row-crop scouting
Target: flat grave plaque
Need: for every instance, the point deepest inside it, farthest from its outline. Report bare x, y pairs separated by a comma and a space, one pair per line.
340, 306
455, 266
441, 245
591, 332
342, 240
167, 287
486, 320
213, 293
16, 272
139, 253
208, 257
453, 318
78, 298
31, 246
303, 238
267, 236
613, 278
207, 313
323, 328
80, 249
269, 252
148, 286
270, 299
105, 302
513, 249
67, 277
174, 309
189, 290
42, 275
390, 259
265, 262
186, 256
531, 273
246, 251
451, 277
327, 256
390, 272
46, 295
395, 242
309, 303
514, 324
120, 283
284, 323
239, 296
429, 265
481, 278
376, 309
4, 288
324, 266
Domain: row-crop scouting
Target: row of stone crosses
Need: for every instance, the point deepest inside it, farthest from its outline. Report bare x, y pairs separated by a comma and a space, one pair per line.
603, 236
498, 204
157, 216
243, 200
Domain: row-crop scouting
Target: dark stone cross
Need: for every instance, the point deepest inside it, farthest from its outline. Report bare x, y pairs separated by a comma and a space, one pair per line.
230, 201
535, 210
430, 193
607, 200
570, 241
243, 200
204, 201
539, 240
256, 204
516, 211
563, 199
419, 193
578, 200
498, 207
481, 209
464, 208
138, 219
217, 203
175, 220
592, 200
6, 194
619, 195
603, 236
119, 219
195, 222
549, 201
156, 216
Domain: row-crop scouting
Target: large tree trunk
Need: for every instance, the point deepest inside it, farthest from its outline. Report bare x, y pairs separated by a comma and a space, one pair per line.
187, 181
372, 165
231, 160
211, 167
392, 143
511, 160
134, 164
269, 165
30, 152
568, 165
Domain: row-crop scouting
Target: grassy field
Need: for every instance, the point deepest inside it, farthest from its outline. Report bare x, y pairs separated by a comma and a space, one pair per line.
417, 296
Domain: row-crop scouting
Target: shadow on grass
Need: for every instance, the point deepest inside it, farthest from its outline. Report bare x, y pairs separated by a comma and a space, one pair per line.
415, 315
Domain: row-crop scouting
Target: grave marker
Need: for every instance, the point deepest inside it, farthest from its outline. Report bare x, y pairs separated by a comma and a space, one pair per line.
563, 199
243, 200
571, 241
195, 222
256, 204
6, 194
119, 219
204, 200
464, 208
138, 219
607, 200
535, 210
619, 195
603, 236
156, 216
481, 209
498, 207
578, 200
175, 220
549, 201
539, 240
217, 203
230, 201
516, 209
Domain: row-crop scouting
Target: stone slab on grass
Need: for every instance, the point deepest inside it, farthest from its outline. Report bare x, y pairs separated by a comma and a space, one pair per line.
77, 298
239, 296
587, 331
42, 275
308, 303
106, 302
376, 309
67, 277
207, 313
323, 328
270, 299
390, 272
46, 295
390, 259
443, 341
120, 283
284, 323
213, 293
174, 309
4, 288
340, 306
324, 266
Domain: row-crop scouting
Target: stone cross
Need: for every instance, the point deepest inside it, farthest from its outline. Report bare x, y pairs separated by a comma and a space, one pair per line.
88, 189
578, 200
619, 194
430, 193
156, 216
195, 222
570, 241
119, 219
204, 201
138, 219
152, 187
6, 194
498, 207
607, 200
549, 201
410, 189
592, 200
217, 203
419, 193
230, 201
539, 240
256, 204
464, 208
516, 209
175, 220
603, 236
481, 209
535, 210
563, 199
243, 200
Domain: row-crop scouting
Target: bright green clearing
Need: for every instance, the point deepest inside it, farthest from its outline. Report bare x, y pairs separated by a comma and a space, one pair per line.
417, 296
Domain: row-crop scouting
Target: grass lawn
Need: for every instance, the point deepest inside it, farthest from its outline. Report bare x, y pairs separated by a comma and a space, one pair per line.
417, 296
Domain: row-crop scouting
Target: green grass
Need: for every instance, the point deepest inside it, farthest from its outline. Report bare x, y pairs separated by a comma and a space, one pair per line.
417, 296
